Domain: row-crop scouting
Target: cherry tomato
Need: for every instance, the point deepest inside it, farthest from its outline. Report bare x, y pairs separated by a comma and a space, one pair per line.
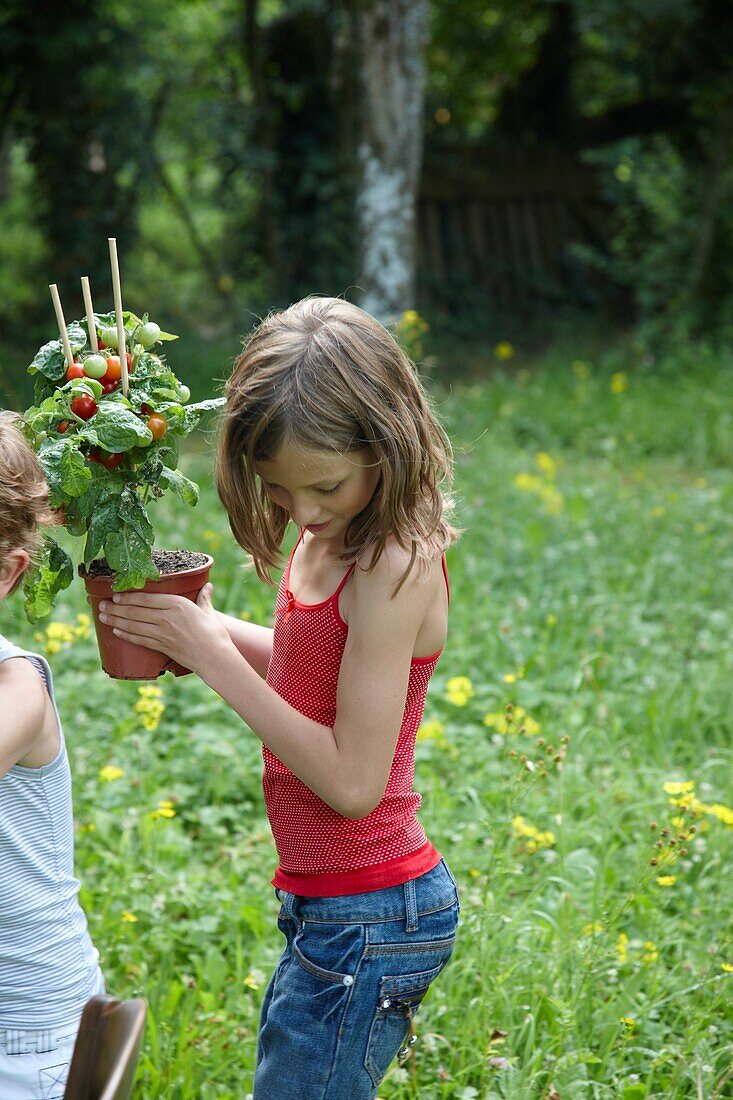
149, 334
64, 426
114, 370
84, 406
95, 366
158, 425
184, 394
101, 344
104, 459
109, 336
109, 387
76, 370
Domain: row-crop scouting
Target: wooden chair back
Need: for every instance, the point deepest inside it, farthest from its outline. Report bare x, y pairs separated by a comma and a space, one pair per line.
107, 1049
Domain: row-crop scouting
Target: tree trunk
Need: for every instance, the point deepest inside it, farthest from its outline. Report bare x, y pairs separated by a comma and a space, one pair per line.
393, 37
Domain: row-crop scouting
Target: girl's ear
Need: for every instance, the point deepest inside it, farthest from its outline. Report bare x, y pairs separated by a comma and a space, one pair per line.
14, 566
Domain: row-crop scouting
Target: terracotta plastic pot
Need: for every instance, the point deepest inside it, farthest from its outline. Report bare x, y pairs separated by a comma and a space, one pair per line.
124, 660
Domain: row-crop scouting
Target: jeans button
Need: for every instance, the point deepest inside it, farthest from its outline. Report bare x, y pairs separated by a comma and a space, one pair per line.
348, 980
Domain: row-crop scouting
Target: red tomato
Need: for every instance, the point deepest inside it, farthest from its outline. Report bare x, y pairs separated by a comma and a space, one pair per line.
108, 387
158, 425
114, 370
64, 426
100, 344
84, 406
109, 460
76, 370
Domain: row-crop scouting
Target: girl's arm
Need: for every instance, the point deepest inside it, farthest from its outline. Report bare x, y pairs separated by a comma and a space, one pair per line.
253, 642
23, 707
348, 765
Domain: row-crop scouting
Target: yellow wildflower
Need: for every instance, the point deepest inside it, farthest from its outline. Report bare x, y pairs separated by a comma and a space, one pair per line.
431, 730
619, 382
128, 917
592, 929
627, 1022
666, 880
504, 350
551, 620
213, 538
459, 690
150, 706
110, 772
622, 948
535, 839
251, 981
512, 721
727, 968
165, 809
651, 953
723, 813
682, 787
528, 483
546, 464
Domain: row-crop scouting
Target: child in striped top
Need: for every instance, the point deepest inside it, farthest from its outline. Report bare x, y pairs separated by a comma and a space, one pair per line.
48, 965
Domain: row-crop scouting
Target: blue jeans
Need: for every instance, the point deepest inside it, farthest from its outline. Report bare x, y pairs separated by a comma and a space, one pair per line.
354, 970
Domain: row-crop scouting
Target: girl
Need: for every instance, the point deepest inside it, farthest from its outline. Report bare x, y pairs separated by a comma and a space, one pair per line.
48, 966
326, 425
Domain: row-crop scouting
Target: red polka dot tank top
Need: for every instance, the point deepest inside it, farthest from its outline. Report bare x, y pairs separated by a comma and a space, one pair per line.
322, 853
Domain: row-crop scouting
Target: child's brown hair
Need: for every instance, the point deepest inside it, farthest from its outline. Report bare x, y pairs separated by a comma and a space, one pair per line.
23, 491
326, 375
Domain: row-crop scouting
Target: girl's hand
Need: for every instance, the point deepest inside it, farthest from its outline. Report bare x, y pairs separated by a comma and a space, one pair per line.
191, 633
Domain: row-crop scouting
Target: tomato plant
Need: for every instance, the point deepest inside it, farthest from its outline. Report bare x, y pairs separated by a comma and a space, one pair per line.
107, 453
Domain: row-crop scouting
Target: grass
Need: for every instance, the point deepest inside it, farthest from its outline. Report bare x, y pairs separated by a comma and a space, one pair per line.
591, 622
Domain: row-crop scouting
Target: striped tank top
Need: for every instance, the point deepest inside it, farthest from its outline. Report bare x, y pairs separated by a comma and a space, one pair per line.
48, 965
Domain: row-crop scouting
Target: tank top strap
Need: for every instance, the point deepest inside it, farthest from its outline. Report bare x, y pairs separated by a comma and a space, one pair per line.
343, 580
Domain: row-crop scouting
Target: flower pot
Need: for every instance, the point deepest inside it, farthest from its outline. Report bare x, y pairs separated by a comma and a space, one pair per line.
124, 660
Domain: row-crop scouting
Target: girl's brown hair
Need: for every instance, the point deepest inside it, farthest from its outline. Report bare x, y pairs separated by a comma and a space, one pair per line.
326, 375
23, 491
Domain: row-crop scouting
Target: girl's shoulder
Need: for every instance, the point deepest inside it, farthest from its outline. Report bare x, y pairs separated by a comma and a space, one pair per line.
398, 573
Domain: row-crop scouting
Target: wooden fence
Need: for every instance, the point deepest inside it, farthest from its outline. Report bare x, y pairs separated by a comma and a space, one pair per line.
498, 228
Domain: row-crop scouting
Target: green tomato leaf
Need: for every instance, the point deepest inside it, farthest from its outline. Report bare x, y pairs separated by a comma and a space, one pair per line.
118, 429
49, 361
184, 488
194, 413
74, 472
51, 573
50, 454
104, 520
130, 557
133, 515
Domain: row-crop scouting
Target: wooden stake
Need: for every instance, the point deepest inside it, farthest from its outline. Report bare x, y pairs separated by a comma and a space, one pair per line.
117, 289
61, 323
86, 291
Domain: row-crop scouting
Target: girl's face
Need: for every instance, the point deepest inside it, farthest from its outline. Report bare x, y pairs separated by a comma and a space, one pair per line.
321, 491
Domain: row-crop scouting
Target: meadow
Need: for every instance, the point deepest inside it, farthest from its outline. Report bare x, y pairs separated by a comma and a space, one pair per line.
575, 761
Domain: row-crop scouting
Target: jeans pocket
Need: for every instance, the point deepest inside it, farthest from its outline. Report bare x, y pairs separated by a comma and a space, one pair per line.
330, 952
400, 996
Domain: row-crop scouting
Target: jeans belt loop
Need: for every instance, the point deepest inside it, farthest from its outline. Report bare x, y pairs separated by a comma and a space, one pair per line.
411, 922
